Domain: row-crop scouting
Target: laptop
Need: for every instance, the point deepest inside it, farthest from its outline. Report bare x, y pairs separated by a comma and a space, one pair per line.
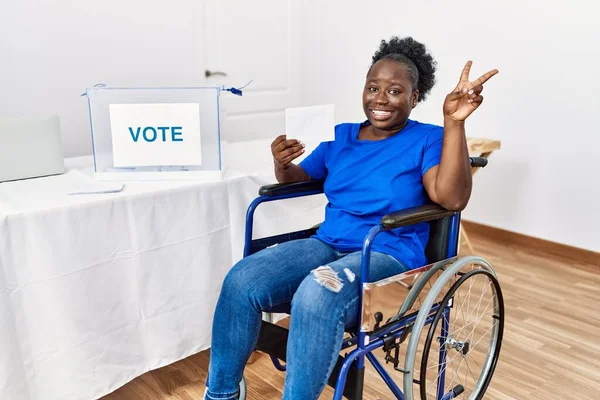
30, 148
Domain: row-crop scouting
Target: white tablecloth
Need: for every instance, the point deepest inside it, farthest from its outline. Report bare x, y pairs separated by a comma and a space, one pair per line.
98, 289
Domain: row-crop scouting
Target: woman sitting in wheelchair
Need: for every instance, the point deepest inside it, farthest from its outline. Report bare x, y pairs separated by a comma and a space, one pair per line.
386, 163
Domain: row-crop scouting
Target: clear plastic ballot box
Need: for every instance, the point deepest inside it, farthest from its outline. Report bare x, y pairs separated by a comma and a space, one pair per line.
156, 133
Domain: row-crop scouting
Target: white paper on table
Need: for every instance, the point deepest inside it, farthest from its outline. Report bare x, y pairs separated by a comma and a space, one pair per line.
311, 124
83, 184
97, 188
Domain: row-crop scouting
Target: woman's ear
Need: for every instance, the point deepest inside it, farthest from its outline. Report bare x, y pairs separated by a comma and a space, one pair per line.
415, 98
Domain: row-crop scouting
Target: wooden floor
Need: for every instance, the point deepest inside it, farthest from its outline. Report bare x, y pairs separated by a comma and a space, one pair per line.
551, 347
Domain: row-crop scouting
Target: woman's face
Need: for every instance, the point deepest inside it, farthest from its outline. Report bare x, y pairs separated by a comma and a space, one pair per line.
388, 97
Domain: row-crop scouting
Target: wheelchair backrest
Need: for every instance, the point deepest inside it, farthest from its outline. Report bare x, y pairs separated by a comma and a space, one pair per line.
439, 239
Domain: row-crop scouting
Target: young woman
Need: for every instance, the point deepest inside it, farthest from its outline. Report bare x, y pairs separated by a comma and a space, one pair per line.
386, 163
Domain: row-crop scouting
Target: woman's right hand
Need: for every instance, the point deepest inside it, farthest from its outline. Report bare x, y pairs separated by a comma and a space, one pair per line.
285, 151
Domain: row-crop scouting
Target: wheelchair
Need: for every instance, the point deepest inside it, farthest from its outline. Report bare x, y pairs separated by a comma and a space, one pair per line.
439, 326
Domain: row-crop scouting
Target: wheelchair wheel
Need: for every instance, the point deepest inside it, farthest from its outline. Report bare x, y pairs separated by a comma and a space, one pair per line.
457, 356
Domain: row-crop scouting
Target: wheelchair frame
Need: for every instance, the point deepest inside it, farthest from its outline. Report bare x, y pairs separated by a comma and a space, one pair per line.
394, 332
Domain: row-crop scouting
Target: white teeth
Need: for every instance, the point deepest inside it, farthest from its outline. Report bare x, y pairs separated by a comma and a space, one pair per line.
382, 113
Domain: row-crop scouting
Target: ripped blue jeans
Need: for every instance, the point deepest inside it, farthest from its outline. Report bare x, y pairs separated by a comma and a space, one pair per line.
322, 285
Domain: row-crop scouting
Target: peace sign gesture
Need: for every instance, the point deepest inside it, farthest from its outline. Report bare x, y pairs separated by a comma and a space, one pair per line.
466, 97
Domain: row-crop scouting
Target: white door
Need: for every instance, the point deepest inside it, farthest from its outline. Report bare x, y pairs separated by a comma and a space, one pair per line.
256, 41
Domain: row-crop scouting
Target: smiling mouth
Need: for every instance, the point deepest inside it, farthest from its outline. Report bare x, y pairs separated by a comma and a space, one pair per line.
381, 115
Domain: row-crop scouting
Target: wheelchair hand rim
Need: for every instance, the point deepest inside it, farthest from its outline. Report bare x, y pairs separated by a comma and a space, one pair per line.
423, 315
491, 360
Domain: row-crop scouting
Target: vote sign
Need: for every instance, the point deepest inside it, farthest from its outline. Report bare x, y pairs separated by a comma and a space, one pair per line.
155, 134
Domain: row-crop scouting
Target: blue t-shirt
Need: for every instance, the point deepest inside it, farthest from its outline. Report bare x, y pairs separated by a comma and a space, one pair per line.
366, 179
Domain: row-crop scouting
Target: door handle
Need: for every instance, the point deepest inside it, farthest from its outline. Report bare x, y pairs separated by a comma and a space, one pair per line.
208, 73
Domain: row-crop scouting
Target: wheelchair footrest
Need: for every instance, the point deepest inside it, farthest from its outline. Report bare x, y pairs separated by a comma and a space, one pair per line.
272, 340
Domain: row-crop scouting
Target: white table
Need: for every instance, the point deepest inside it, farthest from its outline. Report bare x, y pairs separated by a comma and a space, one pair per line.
98, 289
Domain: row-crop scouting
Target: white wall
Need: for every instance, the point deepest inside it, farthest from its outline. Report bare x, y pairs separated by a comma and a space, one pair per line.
50, 51
543, 105
544, 182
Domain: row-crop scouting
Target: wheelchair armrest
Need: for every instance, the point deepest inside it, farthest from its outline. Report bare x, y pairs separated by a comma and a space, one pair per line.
478, 162
415, 215
281, 189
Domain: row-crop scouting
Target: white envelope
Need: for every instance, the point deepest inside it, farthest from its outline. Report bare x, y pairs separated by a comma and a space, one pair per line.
311, 124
